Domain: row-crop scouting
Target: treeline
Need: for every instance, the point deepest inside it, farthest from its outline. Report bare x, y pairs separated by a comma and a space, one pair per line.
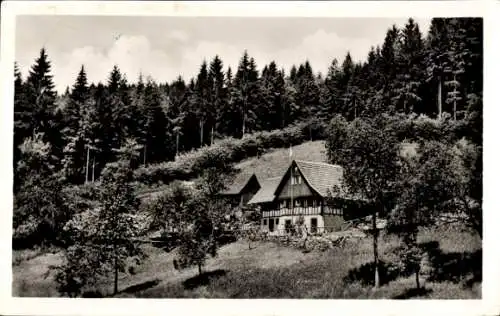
406, 74
67, 139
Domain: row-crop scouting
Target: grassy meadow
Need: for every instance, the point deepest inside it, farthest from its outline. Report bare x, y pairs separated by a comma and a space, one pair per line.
270, 270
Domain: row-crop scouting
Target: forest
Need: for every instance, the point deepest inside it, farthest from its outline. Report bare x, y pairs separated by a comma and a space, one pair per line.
125, 133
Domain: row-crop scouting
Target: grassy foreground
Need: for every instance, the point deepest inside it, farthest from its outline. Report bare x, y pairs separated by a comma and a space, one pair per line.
269, 270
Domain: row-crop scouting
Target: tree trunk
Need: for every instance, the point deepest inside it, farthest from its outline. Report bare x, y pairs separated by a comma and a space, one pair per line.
199, 269
115, 291
87, 165
93, 168
455, 99
212, 136
145, 151
243, 127
417, 279
201, 133
375, 249
177, 144
440, 105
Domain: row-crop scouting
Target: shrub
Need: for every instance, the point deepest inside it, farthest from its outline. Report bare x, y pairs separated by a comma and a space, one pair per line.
191, 164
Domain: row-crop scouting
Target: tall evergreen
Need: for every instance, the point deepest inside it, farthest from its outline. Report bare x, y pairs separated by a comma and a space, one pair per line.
159, 145
411, 68
330, 91
40, 101
390, 67
307, 91
22, 119
217, 95
245, 95
74, 161
177, 110
437, 60
201, 101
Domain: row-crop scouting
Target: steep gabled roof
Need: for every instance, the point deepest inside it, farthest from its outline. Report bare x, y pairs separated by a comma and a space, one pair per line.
239, 183
320, 176
266, 191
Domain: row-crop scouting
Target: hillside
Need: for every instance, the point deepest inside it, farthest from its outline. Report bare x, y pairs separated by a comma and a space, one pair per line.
270, 270
274, 162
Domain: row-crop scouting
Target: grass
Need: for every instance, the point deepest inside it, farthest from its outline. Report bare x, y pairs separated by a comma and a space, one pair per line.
270, 270
274, 162
271, 164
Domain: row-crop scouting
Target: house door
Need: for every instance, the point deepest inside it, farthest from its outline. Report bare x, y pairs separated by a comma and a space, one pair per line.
271, 224
314, 225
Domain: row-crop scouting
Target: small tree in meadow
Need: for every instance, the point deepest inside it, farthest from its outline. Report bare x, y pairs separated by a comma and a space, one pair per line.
425, 188
103, 238
207, 216
369, 155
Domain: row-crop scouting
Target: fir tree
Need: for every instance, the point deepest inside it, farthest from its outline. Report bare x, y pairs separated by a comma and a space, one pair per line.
40, 99
217, 95
411, 75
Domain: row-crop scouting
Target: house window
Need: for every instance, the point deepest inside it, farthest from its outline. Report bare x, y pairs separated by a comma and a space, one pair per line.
297, 203
265, 222
296, 179
277, 221
314, 203
283, 204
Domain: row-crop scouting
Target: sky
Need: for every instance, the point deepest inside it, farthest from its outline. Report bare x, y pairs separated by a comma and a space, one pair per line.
166, 47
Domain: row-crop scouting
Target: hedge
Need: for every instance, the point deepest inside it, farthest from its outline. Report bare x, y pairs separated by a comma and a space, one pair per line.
226, 151
230, 150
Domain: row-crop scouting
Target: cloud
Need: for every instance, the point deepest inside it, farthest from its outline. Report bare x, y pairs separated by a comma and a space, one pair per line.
182, 56
179, 35
132, 54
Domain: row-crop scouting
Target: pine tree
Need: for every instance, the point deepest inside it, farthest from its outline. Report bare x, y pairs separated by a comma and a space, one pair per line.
74, 150
245, 94
330, 93
390, 67
307, 91
177, 112
217, 95
410, 62
347, 88
158, 146
40, 100
200, 101
437, 60
22, 119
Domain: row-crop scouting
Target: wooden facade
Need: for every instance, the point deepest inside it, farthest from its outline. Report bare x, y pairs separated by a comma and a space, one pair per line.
242, 190
300, 194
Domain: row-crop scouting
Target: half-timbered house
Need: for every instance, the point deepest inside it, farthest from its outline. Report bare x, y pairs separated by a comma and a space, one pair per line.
301, 193
242, 189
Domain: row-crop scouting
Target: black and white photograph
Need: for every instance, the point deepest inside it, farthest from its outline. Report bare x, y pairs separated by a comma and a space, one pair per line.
169, 156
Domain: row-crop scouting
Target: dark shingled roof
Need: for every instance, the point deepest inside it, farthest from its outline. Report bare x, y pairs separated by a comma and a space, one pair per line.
266, 192
320, 176
239, 182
